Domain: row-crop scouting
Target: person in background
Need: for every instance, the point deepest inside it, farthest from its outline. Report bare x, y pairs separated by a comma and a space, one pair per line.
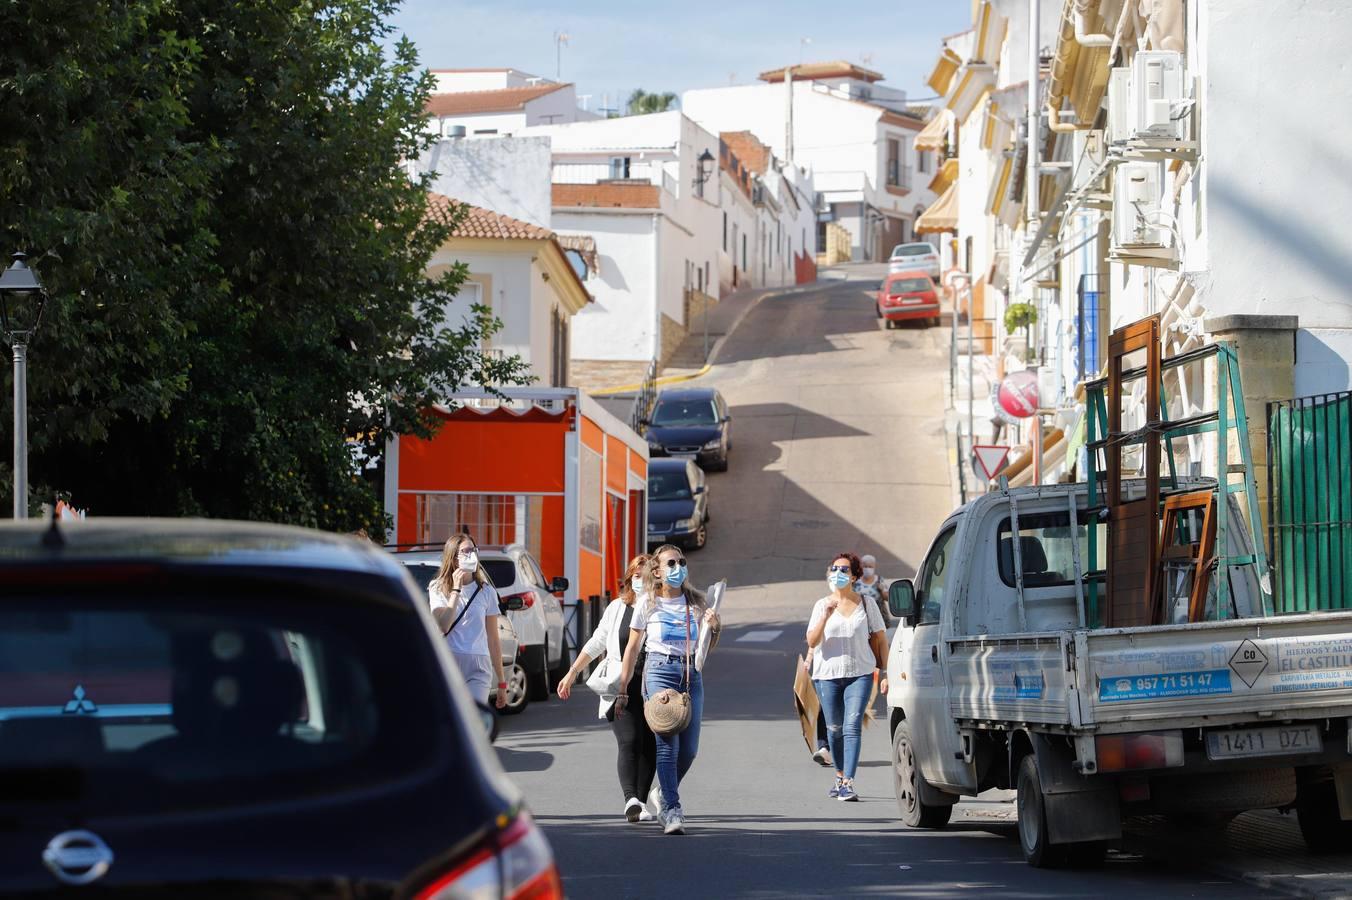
847, 636
667, 627
470, 606
636, 762
872, 586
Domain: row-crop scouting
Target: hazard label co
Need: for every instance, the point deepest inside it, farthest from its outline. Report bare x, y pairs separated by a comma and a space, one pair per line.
1249, 662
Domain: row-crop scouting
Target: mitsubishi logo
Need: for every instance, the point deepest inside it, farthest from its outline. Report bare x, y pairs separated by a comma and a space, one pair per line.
79, 705
77, 857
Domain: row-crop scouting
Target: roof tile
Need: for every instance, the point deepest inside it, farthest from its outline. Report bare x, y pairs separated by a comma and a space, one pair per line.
484, 223
501, 100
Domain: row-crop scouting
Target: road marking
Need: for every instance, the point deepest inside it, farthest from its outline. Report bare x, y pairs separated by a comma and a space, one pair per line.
761, 637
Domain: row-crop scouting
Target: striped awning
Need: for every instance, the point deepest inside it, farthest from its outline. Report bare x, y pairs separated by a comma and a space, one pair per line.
934, 135
942, 214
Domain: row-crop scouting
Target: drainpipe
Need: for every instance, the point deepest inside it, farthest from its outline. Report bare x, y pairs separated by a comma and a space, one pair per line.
1083, 37
657, 288
788, 114
1034, 153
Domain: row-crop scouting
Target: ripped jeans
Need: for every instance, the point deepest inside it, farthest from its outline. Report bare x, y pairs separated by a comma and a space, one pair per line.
843, 703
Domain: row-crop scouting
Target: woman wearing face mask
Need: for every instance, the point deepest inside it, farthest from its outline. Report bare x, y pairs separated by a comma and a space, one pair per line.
846, 631
470, 619
667, 627
872, 586
637, 761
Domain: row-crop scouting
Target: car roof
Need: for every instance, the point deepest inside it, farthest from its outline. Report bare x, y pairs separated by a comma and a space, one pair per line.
190, 541
665, 463
687, 393
897, 276
913, 244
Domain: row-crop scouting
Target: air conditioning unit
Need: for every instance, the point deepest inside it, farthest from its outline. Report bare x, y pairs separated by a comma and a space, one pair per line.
1136, 206
1158, 97
1120, 113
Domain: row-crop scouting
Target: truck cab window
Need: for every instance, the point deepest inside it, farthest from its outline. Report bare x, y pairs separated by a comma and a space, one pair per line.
933, 580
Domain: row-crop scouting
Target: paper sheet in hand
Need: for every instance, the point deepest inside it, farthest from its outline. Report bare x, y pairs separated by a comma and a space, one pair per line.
715, 596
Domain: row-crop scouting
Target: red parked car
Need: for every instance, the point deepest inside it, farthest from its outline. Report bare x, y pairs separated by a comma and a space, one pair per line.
908, 295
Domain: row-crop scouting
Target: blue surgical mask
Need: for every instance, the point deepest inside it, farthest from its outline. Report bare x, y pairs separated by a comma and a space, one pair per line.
838, 579
676, 577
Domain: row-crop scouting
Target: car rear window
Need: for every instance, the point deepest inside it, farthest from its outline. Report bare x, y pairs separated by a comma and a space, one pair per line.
502, 572
137, 704
668, 486
909, 285
912, 250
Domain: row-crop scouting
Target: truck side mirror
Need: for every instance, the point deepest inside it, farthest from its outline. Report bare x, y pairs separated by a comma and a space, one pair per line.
901, 599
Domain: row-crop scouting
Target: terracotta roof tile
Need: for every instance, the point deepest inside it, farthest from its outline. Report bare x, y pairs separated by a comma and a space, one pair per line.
484, 223
836, 69
747, 148
502, 100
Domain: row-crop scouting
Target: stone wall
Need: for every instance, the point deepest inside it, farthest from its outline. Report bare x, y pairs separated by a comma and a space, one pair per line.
673, 333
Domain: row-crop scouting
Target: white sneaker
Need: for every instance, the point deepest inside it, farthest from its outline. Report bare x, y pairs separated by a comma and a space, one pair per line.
655, 800
822, 757
644, 815
633, 810
675, 822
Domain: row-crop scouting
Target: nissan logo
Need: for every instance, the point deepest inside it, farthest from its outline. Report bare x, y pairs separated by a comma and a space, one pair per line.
77, 857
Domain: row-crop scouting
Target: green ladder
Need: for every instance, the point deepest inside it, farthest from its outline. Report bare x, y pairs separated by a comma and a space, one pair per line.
1229, 414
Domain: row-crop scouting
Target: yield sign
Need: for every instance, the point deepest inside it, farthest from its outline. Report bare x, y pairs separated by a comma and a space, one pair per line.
990, 458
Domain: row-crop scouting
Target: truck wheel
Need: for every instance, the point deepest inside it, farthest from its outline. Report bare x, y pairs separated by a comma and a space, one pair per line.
1320, 824
907, 780
1038, 851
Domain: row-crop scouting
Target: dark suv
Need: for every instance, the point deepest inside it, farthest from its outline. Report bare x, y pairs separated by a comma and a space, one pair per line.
193, 708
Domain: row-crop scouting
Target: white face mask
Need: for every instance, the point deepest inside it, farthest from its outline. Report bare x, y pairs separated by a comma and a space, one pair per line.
637, 584
469, 562
868, 571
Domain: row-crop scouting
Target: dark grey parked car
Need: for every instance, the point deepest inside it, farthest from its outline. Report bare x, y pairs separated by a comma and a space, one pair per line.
223, 709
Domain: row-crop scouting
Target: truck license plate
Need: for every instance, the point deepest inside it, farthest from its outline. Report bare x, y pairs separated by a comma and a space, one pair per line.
1285, 740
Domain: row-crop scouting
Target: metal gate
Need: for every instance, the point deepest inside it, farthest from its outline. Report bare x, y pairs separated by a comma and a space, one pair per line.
1310, 501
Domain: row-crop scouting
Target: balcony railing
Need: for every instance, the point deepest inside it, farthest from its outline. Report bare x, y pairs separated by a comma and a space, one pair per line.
599, 172
898, 176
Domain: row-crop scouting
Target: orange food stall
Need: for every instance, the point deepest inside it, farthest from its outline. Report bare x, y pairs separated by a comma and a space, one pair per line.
547, 468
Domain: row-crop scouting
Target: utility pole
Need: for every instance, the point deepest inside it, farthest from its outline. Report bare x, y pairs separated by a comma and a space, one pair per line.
788, 114
560, 38
1031, 193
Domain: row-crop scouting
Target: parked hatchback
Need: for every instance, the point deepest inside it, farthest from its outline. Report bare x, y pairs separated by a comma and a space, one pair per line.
691, 423
194, 708
678, 503
917, 256
536, 614
907, 296
424, 567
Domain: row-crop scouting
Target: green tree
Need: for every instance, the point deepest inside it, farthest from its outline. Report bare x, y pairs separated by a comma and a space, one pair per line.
641, 102
236, 255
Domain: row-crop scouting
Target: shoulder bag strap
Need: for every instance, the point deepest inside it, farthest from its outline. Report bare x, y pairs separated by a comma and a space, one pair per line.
468, 603
687, 644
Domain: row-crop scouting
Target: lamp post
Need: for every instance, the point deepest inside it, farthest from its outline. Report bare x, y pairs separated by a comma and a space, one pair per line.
22, 298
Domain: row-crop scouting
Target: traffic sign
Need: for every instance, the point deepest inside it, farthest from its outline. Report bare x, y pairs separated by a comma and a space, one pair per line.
990, 458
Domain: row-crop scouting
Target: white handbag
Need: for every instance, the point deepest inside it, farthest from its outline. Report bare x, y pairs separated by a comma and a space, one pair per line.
605, 681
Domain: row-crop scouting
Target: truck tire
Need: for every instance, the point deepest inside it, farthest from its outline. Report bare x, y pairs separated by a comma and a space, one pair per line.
1038, 850
910, 784
1323, 828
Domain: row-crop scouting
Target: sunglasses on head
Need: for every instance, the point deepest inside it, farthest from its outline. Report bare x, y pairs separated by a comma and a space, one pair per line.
675, 563
838, 569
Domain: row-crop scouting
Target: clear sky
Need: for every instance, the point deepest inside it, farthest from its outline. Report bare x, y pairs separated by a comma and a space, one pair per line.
615, 47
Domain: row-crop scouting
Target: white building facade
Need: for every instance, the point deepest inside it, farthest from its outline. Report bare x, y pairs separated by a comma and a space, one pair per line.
638, 185
499, 102
851, 133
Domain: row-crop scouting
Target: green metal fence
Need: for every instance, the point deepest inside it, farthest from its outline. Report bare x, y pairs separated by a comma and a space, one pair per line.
1310, 501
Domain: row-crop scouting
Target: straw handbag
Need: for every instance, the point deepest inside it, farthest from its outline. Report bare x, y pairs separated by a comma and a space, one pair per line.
668, 711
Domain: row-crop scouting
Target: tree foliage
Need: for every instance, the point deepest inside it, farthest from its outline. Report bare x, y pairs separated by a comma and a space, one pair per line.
214, 193
641, 102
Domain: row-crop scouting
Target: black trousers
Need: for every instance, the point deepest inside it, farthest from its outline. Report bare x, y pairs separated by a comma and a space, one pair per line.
637, 759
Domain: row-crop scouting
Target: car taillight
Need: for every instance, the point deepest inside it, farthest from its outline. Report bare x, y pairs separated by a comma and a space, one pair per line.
1149, 750
527, 598
516, 864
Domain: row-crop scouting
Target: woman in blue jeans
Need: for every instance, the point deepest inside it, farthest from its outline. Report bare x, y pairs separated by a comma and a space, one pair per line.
667, 627
847, 636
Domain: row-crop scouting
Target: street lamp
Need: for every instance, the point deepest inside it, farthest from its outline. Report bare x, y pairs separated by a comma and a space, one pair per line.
706, 169
22, 298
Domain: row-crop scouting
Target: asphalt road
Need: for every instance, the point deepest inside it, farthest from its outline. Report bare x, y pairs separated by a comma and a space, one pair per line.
838, 444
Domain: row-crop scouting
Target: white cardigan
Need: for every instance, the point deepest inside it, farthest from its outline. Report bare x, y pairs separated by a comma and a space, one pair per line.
606, 641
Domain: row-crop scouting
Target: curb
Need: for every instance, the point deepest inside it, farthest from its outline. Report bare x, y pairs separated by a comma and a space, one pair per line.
665, 379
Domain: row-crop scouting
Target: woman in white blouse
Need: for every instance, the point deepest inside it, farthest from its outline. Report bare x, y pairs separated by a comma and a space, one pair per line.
637, 760
848, 641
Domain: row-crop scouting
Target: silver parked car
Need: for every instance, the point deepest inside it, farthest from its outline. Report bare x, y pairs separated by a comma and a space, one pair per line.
423, 566
917, 256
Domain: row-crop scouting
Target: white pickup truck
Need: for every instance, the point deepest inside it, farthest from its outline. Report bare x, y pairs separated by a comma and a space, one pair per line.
996, 682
